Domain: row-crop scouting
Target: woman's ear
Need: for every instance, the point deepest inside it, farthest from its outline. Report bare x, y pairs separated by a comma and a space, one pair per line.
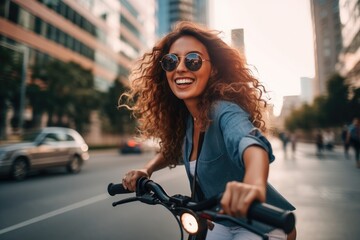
213, 72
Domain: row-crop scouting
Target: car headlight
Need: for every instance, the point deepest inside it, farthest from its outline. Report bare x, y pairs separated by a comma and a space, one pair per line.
4, 154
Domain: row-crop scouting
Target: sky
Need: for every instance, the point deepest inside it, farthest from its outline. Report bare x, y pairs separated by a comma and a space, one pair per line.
278, 40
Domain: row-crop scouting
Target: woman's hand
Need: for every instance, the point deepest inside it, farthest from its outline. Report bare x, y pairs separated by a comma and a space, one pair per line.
238, 197
130, 178
157, 163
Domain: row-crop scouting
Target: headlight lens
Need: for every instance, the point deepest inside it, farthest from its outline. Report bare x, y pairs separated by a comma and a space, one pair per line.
189, 222
4, 154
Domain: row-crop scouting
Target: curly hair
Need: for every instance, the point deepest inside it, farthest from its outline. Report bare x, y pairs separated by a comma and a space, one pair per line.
162, 115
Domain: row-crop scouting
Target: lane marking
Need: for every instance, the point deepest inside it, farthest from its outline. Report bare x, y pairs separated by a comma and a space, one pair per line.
80, 204
55, 213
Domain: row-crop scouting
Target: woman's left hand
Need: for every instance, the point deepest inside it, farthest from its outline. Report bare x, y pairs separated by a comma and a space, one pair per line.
238, 197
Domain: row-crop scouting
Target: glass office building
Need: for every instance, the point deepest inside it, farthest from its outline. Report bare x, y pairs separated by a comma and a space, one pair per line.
102, 35
349, 65
172, 11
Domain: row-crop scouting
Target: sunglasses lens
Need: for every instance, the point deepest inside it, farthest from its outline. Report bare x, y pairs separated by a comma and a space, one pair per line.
169, 62
193, 61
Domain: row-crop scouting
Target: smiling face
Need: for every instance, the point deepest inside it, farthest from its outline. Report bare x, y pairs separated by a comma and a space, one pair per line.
185, 84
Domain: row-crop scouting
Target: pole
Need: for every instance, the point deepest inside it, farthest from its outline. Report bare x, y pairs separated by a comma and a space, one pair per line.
23, 87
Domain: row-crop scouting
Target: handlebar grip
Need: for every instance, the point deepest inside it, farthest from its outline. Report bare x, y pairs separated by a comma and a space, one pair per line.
273, 216
114, 189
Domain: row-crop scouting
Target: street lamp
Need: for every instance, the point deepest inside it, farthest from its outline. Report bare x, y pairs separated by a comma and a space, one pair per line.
25, 51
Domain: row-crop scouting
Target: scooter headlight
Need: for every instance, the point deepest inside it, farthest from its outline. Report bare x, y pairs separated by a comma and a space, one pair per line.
189, 223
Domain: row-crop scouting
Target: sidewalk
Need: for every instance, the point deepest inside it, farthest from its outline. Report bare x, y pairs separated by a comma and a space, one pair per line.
325, 190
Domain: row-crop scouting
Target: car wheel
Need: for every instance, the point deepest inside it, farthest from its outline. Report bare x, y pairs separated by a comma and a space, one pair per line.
19, 169
74, 166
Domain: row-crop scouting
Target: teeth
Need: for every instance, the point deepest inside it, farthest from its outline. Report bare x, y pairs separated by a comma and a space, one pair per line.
183, 81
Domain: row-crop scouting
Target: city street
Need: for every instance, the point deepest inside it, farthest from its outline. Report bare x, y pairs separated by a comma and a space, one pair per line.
56, 205
324, 190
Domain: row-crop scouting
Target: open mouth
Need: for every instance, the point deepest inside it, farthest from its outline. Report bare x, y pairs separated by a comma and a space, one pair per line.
184, 81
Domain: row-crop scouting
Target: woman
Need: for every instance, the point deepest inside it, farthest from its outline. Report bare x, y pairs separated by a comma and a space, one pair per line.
194, 92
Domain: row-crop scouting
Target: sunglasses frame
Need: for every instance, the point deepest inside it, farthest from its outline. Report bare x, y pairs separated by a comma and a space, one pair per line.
179, 60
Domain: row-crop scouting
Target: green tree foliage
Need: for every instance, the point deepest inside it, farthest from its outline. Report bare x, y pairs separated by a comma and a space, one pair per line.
10, 81
338, 106
120, 119
337, 102
355, 103
70, 94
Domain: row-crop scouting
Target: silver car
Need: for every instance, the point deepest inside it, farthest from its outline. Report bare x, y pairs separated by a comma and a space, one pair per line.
45, 148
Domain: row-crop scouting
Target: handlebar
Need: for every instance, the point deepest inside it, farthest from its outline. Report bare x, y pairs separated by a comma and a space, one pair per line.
261, 212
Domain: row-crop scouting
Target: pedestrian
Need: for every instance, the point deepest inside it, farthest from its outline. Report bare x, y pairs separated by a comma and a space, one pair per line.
353, 138
319, 142
328, 139
285, 140
293, 140
346, 143
195, 93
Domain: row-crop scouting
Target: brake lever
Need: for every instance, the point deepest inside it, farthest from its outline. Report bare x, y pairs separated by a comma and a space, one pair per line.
126, 200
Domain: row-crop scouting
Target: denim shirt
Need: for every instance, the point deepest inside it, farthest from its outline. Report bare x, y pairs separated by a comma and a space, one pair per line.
221, 156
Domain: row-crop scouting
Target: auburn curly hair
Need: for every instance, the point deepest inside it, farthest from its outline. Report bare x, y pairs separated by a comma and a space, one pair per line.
162, 115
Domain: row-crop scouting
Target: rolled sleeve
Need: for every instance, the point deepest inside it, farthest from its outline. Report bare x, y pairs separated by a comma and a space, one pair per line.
239, 133
255, 138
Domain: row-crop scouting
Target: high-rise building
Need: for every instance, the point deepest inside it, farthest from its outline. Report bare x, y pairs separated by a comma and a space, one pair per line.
237, 40
102, 35
306, 85
172, 11
327, 41
349, 61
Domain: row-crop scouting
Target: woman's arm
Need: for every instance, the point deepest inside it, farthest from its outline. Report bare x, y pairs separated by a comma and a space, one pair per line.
238, 196
155, 164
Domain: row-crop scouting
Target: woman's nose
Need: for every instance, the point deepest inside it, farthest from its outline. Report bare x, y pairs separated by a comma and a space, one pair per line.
181, 67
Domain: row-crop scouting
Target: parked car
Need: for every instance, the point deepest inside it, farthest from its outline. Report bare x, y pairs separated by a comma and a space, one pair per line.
42, 149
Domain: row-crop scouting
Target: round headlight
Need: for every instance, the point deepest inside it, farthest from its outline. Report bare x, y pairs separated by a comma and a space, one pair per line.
189, 223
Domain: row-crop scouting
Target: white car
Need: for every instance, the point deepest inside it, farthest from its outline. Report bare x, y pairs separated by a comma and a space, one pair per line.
45, 148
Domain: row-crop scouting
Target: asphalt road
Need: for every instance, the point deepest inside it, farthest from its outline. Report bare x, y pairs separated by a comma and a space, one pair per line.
325, 190
56, 205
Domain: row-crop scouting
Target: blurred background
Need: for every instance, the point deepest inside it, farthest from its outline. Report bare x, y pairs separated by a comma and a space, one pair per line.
65, 63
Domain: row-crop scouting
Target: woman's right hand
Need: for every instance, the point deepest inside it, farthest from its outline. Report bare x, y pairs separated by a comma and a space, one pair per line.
130, 178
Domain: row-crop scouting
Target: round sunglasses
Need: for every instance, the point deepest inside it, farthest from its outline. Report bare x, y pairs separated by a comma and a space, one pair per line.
193, 62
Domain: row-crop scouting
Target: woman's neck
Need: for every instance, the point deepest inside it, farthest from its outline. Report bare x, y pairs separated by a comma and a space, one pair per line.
192, 107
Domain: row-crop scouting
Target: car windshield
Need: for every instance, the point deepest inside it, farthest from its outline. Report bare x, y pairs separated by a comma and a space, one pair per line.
30, 136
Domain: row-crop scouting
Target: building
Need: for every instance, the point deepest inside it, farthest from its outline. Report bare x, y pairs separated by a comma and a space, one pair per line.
327, 41
172, 11
290, 103
237, 40
349, 60
306, 87
102, 35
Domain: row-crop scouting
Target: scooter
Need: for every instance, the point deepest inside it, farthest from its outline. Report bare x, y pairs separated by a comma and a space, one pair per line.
193, 217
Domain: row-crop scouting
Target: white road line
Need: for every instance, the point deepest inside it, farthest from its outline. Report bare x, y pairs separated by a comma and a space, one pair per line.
56, 212
73, 207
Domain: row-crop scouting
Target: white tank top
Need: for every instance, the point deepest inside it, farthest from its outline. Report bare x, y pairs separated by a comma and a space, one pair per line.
192, 167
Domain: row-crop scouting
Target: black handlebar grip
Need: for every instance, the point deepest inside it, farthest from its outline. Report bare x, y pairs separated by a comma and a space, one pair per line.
273, 216
114, 189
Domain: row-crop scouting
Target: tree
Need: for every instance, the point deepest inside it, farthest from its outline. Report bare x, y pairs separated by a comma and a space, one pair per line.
85, 99
337, 107
69, 92
10, 81
119, 118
